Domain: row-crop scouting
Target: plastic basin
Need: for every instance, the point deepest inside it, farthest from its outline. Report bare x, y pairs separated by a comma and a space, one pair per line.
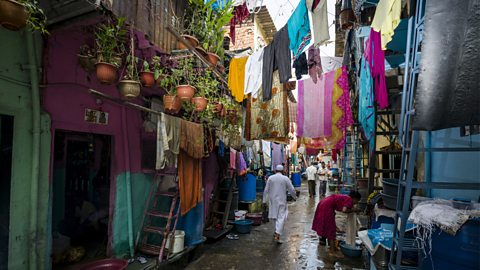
243, 226
389, 201
256, 218
106, 264
350, 251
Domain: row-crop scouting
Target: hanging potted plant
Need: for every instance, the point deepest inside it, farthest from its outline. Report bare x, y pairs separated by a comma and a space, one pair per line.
109, 39
15, 14
171, 103
184, 71
159, 71
129, 86
146, 75
206, 86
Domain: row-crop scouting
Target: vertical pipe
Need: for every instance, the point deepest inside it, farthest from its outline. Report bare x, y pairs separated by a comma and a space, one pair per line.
128, 182
33, 69
428, 161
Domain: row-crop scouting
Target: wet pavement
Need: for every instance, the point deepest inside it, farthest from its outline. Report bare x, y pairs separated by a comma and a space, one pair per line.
257, 250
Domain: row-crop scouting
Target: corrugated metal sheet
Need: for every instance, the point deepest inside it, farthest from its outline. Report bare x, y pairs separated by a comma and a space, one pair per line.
151, 17
266, 23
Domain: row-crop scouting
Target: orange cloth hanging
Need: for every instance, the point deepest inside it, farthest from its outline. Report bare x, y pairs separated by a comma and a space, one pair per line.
189, 181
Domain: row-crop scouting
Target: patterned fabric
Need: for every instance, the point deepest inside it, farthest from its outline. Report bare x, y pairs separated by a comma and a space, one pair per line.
314, 63
366, 109
269, 119
344, 103
337, 113
192, 138
292, 111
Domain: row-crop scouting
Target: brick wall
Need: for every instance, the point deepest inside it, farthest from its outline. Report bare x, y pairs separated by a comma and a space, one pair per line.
244, 36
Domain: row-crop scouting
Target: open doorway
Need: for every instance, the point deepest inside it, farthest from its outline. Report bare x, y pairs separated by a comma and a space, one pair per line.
81, 189
6, 143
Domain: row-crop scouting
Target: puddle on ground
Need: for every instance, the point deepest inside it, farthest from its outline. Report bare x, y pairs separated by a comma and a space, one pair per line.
307, 254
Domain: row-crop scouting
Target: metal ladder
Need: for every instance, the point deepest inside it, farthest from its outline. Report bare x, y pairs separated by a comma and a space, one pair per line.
409, 140
156, 223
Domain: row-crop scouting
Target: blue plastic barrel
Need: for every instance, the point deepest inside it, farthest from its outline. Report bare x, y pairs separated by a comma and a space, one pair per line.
459, 252
247, 188
260, 184
192, 223
296, 179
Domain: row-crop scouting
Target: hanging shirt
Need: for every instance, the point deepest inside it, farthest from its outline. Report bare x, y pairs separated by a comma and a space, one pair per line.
253, 73
276, 56
300, 65
366, 110
236, 77
386, 19
319, 22
314, 63
299, 29
376, 59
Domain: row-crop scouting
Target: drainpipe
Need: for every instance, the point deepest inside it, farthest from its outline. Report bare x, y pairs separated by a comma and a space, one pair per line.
428, 162
33, 68
128, 182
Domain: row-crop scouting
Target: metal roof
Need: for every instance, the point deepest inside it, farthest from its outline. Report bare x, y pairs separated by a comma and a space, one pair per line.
266, 23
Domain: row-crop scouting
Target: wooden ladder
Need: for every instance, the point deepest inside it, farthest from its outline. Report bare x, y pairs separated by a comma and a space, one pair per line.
152, 216
228, 202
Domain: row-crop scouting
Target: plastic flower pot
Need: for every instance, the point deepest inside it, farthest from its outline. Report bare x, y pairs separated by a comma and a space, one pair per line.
106, 73
185, 92
13, 15
200, 103
147, 79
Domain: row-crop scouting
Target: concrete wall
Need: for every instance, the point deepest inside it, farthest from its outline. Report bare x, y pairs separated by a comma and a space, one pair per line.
455, 166
16, 100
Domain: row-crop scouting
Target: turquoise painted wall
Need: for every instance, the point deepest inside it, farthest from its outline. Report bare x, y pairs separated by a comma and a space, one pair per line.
455, 167
140, 187
15, 100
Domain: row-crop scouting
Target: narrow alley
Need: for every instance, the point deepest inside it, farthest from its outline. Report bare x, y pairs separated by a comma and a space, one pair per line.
257, 250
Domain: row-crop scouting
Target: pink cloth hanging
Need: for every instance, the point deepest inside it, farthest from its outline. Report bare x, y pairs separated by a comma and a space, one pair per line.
344, 101
315, 106
233, 158
376, 59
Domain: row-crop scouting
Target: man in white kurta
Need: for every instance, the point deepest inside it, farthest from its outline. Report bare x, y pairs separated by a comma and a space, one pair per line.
276, 194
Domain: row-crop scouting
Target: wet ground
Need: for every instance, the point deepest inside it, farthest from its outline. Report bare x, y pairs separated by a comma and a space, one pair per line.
300, 250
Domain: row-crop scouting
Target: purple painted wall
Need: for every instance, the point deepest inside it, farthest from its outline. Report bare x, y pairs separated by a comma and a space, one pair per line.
65, 98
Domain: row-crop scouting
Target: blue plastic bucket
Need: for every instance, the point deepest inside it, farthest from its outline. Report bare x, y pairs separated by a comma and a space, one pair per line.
193, 223
260, 184
296, 179
243, 226
247, 188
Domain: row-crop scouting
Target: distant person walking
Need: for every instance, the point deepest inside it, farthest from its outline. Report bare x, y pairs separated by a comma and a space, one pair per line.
276, 194
323, 177
311, 177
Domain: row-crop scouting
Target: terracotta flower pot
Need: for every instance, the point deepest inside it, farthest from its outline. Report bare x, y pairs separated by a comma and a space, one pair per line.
200, 103
213, 58
185, 92
13, 15
223, 112
147, 79
192, 40
129, 89
106, 73
218, 107
232, 116
202, 51
171, 104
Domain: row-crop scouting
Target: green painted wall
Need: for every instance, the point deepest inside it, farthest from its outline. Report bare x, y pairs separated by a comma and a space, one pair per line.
140, 187
15, 100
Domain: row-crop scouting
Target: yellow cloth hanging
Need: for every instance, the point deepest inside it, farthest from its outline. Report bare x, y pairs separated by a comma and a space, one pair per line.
236, 77
386, 19
337, 112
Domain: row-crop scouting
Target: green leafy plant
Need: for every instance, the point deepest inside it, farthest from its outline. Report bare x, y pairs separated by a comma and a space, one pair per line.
131, 69
206, 85
214, 22
146, 66
110, 41
158, 69
36, 20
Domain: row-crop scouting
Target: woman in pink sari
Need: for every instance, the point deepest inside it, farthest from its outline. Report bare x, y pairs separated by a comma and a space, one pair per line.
324, 220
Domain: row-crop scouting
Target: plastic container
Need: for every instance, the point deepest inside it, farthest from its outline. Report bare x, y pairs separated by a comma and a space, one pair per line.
243, 226
389, 201
192, 223
296, 179
240, 215
350, 251
260, 184
459, 252
105, 264
178, 242
247, 188
390, 186
256, 218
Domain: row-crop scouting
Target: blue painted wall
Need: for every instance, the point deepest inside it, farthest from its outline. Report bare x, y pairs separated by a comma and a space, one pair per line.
455, 167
